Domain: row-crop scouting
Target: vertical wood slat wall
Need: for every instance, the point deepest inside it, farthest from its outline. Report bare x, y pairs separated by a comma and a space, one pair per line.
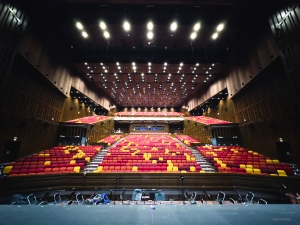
253, 53
30, 110
43, 51
11, 28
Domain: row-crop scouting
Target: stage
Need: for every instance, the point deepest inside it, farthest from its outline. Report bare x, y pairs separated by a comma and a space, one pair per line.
243, 214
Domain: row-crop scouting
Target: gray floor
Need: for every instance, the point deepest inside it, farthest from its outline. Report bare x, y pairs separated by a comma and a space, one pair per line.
145, 215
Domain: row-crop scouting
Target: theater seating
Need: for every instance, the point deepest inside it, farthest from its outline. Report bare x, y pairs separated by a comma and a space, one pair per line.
149, 153
186, 139
159, 114
60, 159
110, 139
89, 119
236, 159
207, 120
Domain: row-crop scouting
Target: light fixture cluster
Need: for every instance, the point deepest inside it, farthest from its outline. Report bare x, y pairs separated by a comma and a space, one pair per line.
149, 67
196, 28
169, 77
207, 78
81, 28
104, 29
150, 27
143, 77
165, 67
134, 67
182, 76
180, 67
155, 78
219, 28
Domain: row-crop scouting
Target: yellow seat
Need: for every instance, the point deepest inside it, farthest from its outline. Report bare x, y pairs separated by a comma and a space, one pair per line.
192, 169
183, 171
242, 166
77, 169
99, 169
249, 170
72, 161
256, 171
175, 169
282, 175
223, 165
169, 169
47, 163
154, 162
135, 168
88, 159
273, 174
202, 171
281, 172
275, 161
249, 166
7, 169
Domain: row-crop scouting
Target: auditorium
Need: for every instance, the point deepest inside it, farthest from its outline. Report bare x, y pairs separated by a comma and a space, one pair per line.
149, 112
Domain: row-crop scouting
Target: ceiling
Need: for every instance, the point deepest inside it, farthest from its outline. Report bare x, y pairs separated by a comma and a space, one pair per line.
108, 63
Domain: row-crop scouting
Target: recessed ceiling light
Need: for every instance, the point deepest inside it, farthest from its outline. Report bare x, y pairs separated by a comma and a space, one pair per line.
181, 64
102, 25
165, 64
193, 35
79, 26
196, 26
215, 35
106, 34
126, 26
220, 27
84, 34
173, 26
150, 26
150, 35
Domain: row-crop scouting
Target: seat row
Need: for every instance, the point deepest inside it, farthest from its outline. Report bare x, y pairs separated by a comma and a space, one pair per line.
89, 119
124, 157
54, 160
240, 160
207, 120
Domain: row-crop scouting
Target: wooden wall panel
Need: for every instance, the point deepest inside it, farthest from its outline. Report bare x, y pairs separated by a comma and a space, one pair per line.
251, 55
44, 48
31, 111
270, 114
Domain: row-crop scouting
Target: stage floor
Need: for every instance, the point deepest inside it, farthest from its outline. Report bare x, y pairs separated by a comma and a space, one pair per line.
145, 215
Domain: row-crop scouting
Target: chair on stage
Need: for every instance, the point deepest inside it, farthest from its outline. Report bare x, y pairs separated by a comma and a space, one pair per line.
137, 195
160, 196
192, 198
122, 198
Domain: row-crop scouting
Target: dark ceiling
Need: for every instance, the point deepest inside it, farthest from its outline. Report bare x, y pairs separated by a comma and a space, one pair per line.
108, 62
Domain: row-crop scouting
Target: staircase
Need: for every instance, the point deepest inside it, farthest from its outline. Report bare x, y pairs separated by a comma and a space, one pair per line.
204, 164
93, 165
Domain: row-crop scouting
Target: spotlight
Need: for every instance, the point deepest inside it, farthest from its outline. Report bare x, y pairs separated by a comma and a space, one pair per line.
126, 26
150, 35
